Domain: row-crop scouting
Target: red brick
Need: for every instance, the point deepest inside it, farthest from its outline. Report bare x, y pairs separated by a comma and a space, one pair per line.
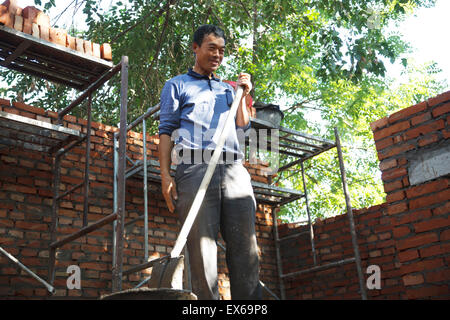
5, 102
417, 241
420, 118
438, 276
426, 292
390, 152
434, 250
411, 217
428, 140
94, 266
405, 181
397, 208
428, 187
396, 196
422, 265
387, 164
70, 118
424, 129
25, 189
442, 210
401, 231
445, 235
430, 200
443, 97
382, 144
412, 279
105, 51
391, 130
408, 255
393, 174
446, 133
58, 36
405, 113
31, 226
391, 186
431, 224
23, 106
441, 110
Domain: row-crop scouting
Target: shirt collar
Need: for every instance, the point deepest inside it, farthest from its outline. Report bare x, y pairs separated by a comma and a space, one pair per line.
201, 76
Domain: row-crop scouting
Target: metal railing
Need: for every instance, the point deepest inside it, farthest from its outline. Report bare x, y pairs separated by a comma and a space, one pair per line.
118, 213
356, 258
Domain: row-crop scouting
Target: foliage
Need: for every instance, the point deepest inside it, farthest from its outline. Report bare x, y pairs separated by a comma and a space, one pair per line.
322, 60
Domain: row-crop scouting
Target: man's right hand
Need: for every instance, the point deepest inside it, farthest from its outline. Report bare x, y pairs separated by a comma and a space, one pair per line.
169, 191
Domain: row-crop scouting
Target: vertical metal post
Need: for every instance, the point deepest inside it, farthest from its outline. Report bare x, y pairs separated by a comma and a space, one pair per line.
88, 157
117, 268
54, 224
116, 164
277, 250
350, 218
311, 228
144, 141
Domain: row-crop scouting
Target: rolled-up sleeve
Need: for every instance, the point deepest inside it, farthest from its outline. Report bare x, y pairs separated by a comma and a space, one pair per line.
169, 117
245, 128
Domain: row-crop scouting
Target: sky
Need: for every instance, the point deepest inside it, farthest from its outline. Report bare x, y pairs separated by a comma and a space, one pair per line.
427, 32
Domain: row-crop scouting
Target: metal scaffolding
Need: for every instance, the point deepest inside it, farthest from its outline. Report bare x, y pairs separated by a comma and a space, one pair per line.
356, 258
27, 54
45, 60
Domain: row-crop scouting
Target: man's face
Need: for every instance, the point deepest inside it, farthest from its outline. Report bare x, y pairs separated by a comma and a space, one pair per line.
209, 55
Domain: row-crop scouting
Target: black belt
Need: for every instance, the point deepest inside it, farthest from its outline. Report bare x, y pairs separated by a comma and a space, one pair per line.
201, 156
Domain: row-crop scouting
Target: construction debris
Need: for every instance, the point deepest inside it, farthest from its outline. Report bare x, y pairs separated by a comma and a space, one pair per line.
36, 23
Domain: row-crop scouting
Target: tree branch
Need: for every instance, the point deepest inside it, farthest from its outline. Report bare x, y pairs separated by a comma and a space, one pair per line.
140, 20
161, 37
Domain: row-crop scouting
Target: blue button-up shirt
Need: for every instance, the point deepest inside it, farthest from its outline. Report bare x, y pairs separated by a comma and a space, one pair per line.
193, 111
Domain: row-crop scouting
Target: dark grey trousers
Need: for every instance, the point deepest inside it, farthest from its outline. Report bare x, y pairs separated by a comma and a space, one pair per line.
229, 207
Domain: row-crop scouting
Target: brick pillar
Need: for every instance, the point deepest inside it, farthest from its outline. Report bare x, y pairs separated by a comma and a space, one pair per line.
413, 145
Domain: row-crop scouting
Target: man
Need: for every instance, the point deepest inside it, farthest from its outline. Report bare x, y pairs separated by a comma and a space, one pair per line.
194, 107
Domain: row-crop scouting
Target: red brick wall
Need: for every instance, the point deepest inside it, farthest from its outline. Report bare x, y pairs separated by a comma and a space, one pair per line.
25, 216
408, 237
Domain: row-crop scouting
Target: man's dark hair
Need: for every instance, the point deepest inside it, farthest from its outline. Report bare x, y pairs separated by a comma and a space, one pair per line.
206, 29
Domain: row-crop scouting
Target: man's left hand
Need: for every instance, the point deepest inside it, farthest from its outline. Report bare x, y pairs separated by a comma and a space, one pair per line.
244, 80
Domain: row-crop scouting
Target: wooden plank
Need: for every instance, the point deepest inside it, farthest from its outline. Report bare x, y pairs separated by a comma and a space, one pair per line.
37, 123
19, 50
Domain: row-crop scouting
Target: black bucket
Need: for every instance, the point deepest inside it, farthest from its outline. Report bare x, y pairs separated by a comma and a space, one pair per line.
269, 112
